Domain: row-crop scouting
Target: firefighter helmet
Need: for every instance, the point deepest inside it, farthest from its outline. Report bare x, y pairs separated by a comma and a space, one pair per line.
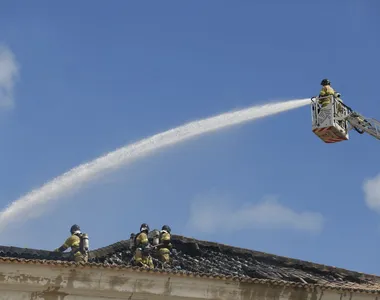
325, 82
74, 228
144, 227
167, 228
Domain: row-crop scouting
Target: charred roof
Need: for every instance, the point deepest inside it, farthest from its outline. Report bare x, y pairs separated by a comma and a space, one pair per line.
193, 256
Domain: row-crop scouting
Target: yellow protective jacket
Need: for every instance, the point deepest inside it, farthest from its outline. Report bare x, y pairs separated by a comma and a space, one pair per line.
326, 91
72, 242
165, 242
141, 240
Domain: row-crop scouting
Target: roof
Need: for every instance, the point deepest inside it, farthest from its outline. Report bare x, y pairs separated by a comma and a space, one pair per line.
193, 257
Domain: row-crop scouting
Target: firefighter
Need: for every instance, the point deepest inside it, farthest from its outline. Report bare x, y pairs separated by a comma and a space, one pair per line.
327, 90
142, 255
165, 245
79, 247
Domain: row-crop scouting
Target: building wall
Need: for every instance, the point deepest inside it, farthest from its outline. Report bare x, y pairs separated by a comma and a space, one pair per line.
52, 282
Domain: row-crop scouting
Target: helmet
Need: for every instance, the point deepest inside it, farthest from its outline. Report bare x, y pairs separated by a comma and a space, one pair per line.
74, 228
325, 82
144, 227
167, 228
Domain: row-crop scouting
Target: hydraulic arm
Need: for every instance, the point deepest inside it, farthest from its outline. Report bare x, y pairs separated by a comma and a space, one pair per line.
361, 124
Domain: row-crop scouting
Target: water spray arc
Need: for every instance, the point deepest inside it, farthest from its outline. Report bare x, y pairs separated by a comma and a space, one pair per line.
22, 208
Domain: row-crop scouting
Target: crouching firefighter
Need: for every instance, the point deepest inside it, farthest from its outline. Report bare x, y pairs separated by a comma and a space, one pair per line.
142, 254
165, 245
79, 244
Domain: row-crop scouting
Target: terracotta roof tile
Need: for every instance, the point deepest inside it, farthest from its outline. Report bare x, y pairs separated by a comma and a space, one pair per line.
197, 258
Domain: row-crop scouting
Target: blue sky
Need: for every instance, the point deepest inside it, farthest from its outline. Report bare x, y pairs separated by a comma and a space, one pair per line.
93, 77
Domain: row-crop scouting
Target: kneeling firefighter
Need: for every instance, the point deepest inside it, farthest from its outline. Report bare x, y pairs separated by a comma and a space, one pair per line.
142, 254
79, 244
165, 245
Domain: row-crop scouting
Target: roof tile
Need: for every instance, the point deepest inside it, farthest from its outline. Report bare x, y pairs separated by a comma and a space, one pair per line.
197, 258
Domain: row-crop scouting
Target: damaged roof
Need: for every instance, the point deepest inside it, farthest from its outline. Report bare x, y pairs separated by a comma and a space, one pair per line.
201, 258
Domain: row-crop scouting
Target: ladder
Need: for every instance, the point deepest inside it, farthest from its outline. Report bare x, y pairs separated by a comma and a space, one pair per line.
362, 124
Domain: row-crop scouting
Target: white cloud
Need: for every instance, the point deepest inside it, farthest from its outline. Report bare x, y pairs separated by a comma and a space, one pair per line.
371, 189
9, 70
211, 212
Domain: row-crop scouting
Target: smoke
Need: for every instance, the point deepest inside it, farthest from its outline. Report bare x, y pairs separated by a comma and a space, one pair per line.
371, 189
9, 71
23, 208
211, 211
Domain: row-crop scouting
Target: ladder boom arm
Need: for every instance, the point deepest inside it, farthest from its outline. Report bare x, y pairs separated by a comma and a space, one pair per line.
368, 125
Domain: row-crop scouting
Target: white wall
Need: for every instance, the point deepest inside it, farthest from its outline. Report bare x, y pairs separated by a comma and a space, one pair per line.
49, 282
